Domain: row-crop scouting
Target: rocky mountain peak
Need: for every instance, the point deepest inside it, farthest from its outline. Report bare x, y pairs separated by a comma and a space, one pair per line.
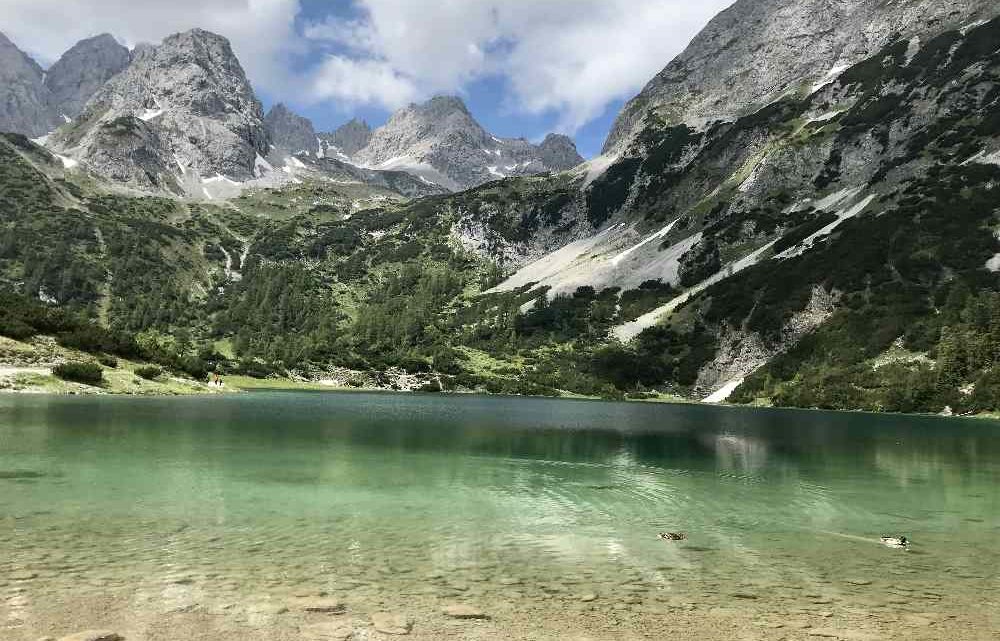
83, 70
24, 100
11, 53
439, 106
200, 117
425, 123
558, 152
142, 48
208, 73
349, 138
288, 131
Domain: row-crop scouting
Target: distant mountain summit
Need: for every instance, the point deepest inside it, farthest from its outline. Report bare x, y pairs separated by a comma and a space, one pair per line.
290, 132
559, 152
181, 112
181, 117
82, 71
441, 141
348, 139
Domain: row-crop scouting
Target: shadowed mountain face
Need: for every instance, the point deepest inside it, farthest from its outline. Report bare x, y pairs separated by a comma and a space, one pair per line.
558, 152
82, 71
24, 101
348, 139
289, 132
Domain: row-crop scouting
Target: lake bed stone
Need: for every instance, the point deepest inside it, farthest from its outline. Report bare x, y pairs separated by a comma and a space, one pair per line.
392, 623
327, 631
325, 605
463, 611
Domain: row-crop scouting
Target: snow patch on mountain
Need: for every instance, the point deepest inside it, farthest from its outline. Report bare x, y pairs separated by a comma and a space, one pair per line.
830, 77
842, 215
67, 162
723, 393
629, 331
149, 114
594, 168
660, 234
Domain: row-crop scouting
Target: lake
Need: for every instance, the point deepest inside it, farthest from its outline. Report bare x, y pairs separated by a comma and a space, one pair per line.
226, 517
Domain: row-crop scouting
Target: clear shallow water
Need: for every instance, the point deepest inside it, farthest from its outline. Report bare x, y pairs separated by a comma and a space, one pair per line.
181, 505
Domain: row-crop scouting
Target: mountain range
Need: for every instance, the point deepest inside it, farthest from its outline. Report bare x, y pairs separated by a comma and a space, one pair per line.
181, 117
801, 209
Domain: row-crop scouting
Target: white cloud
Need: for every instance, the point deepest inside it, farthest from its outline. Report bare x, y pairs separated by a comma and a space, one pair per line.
565, 57
262, 31
609, 52
361, 82
571, 57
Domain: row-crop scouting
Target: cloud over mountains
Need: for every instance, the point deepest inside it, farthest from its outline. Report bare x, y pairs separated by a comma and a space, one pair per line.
570, 58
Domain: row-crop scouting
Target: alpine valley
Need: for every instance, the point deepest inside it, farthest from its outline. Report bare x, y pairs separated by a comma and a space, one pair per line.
802, 209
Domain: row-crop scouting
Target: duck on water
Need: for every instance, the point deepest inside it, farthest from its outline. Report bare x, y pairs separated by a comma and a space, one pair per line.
673, 536
895, 542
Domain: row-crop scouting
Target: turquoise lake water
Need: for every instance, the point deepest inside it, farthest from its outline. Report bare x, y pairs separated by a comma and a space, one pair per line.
424, 498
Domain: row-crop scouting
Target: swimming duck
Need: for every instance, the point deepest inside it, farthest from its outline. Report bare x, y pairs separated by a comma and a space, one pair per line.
673, 536
895, 542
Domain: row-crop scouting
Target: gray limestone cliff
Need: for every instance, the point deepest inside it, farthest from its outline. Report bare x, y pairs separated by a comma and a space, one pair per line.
186, 103
559, 152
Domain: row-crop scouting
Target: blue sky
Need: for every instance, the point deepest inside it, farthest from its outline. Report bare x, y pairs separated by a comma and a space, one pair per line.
486, 97
524, 67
